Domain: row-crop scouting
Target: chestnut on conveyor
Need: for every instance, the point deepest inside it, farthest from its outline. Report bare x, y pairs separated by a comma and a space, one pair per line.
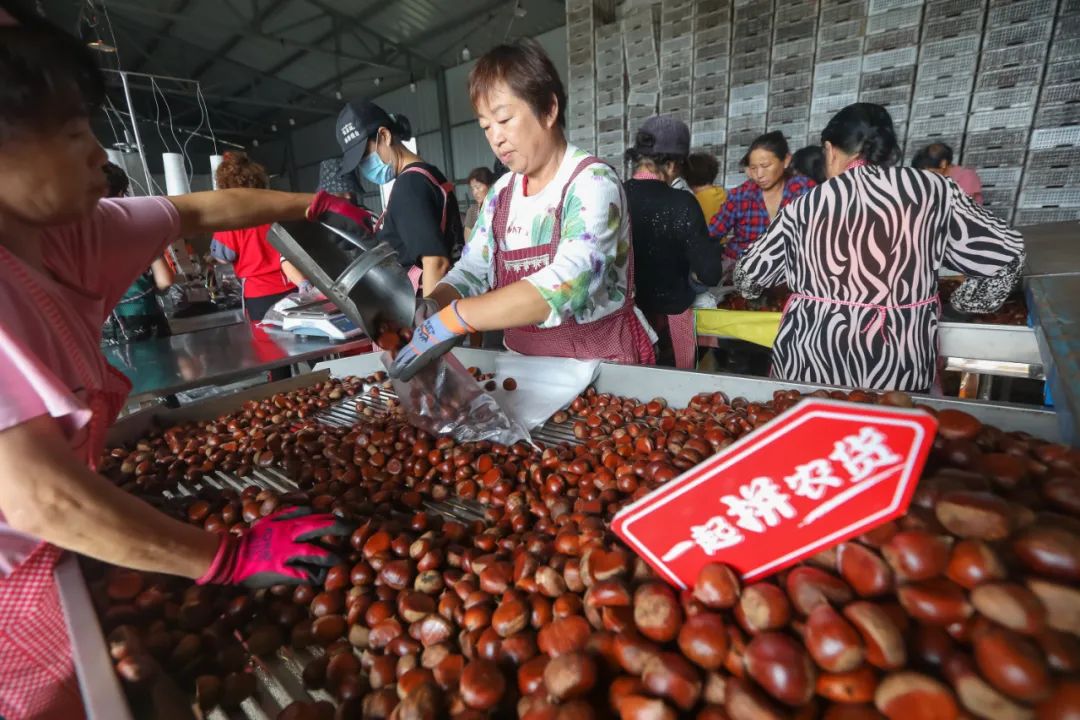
967, 606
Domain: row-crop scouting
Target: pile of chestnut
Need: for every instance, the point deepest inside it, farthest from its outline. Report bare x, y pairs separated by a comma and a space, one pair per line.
968, 606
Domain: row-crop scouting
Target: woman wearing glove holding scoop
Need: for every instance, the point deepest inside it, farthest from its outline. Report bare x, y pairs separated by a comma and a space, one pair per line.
67, 257
550, 259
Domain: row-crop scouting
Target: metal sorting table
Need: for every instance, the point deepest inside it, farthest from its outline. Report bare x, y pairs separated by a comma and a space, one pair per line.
1005, 350
216, 356
1052, 287
278, 679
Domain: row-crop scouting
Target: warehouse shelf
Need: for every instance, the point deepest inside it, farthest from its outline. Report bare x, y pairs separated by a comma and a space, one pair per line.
1061, 197
994, 119
891, 40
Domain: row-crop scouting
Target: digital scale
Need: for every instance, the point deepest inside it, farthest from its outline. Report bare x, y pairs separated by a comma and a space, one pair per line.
320, 318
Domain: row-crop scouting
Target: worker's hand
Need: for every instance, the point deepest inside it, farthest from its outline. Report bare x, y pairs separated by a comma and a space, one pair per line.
279, 549
431, 339
425, 308
325, 203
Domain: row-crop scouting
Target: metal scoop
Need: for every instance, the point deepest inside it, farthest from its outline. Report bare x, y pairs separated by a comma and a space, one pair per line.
363, 278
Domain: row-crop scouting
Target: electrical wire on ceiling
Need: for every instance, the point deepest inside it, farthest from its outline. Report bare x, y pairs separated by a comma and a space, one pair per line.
516, 12
112, 33
124, 142
204, 118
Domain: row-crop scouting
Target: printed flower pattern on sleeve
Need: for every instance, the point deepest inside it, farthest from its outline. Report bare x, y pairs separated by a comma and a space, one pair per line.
587, 280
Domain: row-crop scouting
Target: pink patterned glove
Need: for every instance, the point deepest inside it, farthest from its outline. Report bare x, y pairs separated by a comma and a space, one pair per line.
324, 203
279, 549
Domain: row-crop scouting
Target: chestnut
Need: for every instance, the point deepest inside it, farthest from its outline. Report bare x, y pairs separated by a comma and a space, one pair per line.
703, 640
657, 612
482, 684
569, 676
717, 586
781, 666
1012, 664
975, 514
1011, 605
882, 639
763, 606
863, 569
972, 562
908, 695
938, 601
831, 640
916, 554
853, 686
565, 635
669, 676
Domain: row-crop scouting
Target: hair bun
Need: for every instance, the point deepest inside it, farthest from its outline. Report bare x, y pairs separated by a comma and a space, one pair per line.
402, 127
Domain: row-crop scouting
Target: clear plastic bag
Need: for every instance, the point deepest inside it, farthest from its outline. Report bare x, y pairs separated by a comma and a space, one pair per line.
444, 399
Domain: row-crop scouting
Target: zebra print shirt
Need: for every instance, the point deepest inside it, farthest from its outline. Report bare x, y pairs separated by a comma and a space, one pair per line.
876, 236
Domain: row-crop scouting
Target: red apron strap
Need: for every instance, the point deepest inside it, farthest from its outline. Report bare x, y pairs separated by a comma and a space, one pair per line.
446, 187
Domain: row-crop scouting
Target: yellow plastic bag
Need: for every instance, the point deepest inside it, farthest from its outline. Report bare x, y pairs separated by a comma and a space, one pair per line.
753, 326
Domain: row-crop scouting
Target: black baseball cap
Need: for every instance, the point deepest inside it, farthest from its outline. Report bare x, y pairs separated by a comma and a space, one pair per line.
358, 121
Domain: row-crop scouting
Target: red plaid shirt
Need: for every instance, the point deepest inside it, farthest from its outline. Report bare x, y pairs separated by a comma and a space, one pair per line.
744, 214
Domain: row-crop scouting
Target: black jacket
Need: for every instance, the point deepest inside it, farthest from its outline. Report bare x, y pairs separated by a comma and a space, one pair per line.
671, 240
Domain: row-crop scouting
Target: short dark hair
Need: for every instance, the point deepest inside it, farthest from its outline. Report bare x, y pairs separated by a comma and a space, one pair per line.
810, 162
117, 180
527, 70
866, 131
700, 169
931, 157
774, 142
482, 175
46, 75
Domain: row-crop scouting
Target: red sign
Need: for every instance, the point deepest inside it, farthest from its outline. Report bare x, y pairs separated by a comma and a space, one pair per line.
820, 473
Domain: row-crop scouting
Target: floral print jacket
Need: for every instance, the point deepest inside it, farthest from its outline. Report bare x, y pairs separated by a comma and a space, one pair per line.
587, 279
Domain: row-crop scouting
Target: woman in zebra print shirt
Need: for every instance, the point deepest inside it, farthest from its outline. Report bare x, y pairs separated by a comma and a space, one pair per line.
861, 254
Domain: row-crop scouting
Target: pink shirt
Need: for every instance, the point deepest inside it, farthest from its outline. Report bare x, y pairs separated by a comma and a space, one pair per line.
968, 180
43, 365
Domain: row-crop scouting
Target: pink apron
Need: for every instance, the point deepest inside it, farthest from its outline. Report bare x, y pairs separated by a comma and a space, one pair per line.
417, 273
618, 337
879, 323
35, 651
683, 339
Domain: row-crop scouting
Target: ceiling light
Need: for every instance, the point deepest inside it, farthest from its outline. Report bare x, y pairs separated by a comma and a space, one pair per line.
254, 143
338, 95
378, 81
466, 54
273, 127
519, 11
101, 46
292, 122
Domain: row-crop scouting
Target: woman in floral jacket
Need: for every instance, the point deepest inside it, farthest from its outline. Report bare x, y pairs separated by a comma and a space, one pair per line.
549, 260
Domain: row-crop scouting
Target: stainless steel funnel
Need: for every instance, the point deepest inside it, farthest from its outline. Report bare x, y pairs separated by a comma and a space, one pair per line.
363, 278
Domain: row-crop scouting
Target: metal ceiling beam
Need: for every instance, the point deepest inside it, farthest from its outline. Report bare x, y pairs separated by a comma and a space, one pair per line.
233, 41
240, 101
455, 22
360, 24
416, 40
129, 7
303, 92
154, 42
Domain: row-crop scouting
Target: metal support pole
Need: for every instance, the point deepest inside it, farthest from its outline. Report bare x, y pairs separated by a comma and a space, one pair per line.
138, 136
444, 124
